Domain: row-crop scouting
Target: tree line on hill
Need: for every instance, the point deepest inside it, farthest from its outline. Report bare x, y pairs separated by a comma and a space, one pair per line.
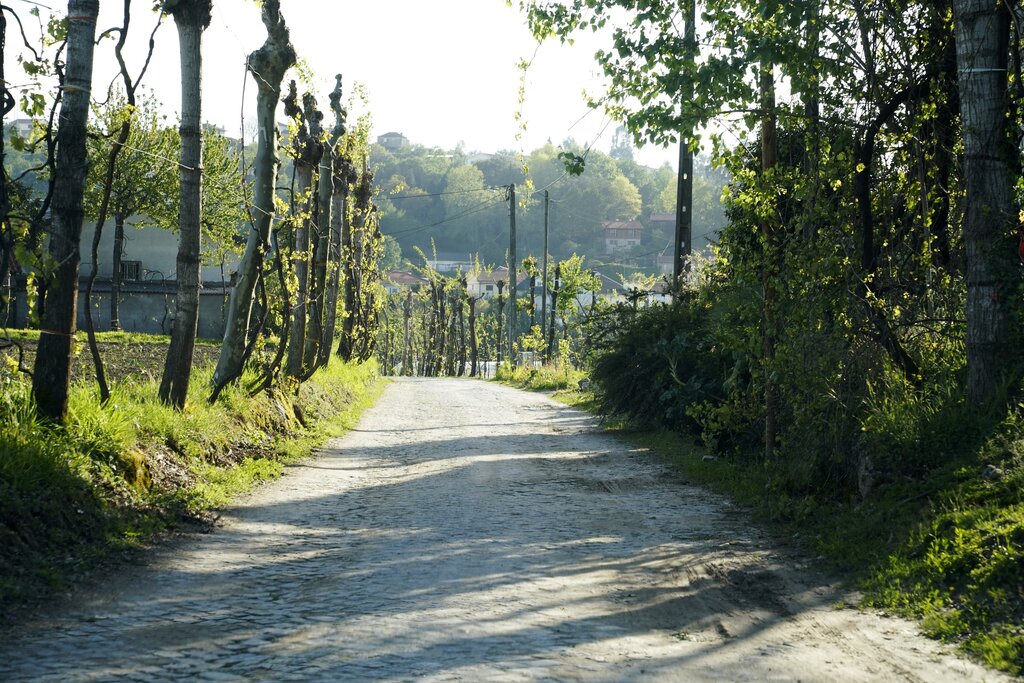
455, 202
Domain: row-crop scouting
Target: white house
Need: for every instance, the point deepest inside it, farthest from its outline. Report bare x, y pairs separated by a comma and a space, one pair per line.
392, 141
21, 127
621, 235
449, 262
486, 284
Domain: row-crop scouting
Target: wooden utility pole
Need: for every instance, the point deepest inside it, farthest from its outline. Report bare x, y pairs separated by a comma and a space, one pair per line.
983, 30
544, 270
684, 187
769, 271
512, 271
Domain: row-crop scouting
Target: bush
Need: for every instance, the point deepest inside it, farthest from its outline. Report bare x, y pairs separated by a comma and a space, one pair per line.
654, 365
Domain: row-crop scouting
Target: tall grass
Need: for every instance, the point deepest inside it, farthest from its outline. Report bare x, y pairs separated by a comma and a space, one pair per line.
548, 377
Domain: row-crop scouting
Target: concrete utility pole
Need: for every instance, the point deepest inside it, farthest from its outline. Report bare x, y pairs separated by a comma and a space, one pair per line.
512, 269
684, 188
544, 271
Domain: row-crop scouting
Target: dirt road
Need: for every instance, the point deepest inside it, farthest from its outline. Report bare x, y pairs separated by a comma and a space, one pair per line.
467, 531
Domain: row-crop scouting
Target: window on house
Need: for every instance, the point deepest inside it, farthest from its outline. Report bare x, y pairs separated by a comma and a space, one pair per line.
490, 288
131, 270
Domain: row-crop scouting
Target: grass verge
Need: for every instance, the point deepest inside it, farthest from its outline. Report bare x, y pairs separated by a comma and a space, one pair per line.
116, 475
946, 549
548, 377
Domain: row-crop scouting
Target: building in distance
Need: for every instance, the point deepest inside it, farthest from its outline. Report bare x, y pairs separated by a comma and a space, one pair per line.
392, 142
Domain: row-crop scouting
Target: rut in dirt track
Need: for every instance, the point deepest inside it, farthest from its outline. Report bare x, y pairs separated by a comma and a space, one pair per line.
468, 531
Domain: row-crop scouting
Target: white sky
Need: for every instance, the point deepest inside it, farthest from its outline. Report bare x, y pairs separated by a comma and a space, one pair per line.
441, 72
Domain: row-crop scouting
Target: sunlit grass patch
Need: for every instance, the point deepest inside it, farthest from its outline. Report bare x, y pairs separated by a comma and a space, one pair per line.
117, 473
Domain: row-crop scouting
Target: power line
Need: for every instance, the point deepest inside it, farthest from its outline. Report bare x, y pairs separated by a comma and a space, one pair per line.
475, 209
440, 194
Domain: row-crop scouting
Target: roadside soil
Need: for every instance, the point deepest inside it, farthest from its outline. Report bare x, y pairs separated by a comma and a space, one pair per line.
142, 361
469, 531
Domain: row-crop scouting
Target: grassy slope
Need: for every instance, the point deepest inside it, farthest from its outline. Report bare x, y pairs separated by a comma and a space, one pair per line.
118, 474
948, 549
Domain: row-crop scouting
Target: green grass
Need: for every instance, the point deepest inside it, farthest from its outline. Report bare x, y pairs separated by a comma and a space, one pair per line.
946, 549
548, 377
117, 474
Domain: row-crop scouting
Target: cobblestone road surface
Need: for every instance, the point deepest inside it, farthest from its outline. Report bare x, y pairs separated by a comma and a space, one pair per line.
468, 531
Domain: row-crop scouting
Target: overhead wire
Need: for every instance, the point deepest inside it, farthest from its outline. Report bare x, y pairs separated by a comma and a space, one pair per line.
479, 207
439, 194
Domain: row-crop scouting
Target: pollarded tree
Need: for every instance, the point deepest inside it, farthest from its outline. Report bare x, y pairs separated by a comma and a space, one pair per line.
345, 177
52, 374
323, 248
191, 17
268, 66
306, 146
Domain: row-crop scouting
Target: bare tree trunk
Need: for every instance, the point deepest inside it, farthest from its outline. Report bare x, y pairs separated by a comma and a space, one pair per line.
52, 375
406, 315
429, 346
115, 151
474, 355
115, 278
191, 17
324, 227
864, 155
555, 286
268, 65
501, 315
982, 42
812, 112
300, 260
7, 301
130, 87
344, 176
351, 253
462, 332
533, 299
307, 144
7, 261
